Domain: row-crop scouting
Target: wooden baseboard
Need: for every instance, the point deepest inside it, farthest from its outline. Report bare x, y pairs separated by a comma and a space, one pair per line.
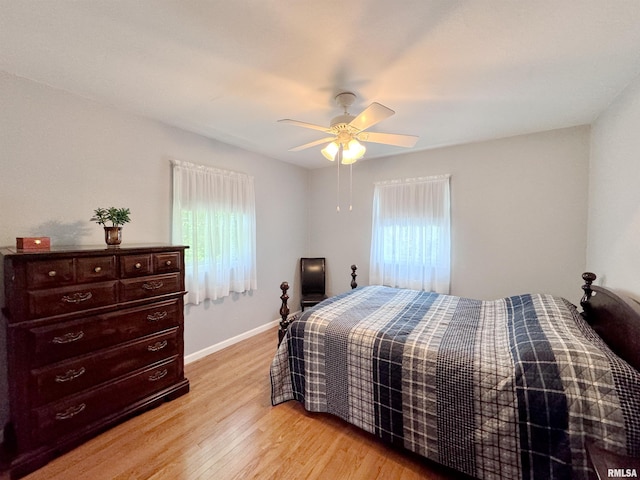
192, 357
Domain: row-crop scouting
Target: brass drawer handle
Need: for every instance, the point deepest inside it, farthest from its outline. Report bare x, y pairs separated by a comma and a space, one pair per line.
77, 297
152, 285
97, 269
68, 337
53, 273
70, 412
158, 375
157, 316
70, 375
168, 263
138, 266
157, 346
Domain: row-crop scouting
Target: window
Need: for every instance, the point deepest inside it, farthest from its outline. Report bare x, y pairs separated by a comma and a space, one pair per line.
411, 240
214, 214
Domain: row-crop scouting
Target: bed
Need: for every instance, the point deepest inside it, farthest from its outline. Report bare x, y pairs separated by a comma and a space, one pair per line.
518, 387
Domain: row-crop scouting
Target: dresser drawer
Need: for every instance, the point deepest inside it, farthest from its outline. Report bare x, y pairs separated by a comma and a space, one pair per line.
167, 262
72, 376
96, 269
57, 301
52, 273
72, 338
79, 411
135, 265
139, 288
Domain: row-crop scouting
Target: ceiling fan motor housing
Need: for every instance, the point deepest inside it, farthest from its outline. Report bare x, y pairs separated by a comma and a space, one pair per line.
341, 122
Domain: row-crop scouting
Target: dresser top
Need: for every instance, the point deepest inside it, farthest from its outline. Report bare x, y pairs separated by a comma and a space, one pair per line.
88, 250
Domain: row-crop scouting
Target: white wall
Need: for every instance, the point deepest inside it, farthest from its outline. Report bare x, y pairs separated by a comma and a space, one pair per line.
613, 251
61, 156
519, 216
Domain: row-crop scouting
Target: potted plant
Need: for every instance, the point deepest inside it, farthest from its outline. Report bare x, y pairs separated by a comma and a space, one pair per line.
117, 217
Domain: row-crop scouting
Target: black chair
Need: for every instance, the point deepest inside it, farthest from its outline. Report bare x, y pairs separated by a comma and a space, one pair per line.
312, 281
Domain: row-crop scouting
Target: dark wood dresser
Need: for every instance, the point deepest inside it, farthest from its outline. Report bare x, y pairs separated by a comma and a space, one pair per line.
94, 335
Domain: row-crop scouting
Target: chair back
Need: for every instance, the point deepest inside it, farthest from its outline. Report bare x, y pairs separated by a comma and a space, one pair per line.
312, 275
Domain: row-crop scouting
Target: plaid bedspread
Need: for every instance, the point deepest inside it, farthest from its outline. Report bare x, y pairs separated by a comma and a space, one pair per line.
511, 388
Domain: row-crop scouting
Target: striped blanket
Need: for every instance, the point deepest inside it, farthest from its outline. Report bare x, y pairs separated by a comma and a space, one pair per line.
511, 388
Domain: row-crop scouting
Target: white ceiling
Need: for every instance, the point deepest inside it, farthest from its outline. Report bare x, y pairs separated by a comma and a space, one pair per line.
454, 71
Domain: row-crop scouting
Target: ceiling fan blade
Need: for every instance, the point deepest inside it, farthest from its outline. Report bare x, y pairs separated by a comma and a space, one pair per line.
305, 125
312, 144
388, 138
371, 115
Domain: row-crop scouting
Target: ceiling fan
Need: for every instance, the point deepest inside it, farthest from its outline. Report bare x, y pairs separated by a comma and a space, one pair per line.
347, 131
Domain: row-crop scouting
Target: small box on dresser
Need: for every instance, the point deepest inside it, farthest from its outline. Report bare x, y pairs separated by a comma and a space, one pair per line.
94, 336
33, 243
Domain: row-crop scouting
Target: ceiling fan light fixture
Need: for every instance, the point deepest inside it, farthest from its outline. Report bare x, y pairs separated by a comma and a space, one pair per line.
353, 152
330, 151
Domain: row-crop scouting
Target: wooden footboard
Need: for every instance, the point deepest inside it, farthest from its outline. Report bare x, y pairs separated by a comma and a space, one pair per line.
284, 311
284, 307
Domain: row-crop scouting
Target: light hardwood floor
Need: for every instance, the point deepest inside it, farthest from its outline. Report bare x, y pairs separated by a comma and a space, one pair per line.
226, 428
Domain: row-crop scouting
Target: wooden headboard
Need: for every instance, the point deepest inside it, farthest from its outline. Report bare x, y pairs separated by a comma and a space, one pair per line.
614, 317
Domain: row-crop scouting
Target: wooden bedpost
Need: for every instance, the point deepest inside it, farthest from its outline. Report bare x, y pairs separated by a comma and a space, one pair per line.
588, 278
353, 276
284, 311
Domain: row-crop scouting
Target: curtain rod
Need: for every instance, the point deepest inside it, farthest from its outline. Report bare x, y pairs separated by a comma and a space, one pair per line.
413, 179
206, 168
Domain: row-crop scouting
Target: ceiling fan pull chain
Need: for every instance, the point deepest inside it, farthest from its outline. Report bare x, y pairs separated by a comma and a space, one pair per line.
350, 187
338, 189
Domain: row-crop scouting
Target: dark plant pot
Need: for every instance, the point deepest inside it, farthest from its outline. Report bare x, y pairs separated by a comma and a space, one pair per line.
113, 235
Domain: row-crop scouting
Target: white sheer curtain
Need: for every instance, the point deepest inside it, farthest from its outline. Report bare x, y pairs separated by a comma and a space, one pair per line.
411, 234
214, 213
